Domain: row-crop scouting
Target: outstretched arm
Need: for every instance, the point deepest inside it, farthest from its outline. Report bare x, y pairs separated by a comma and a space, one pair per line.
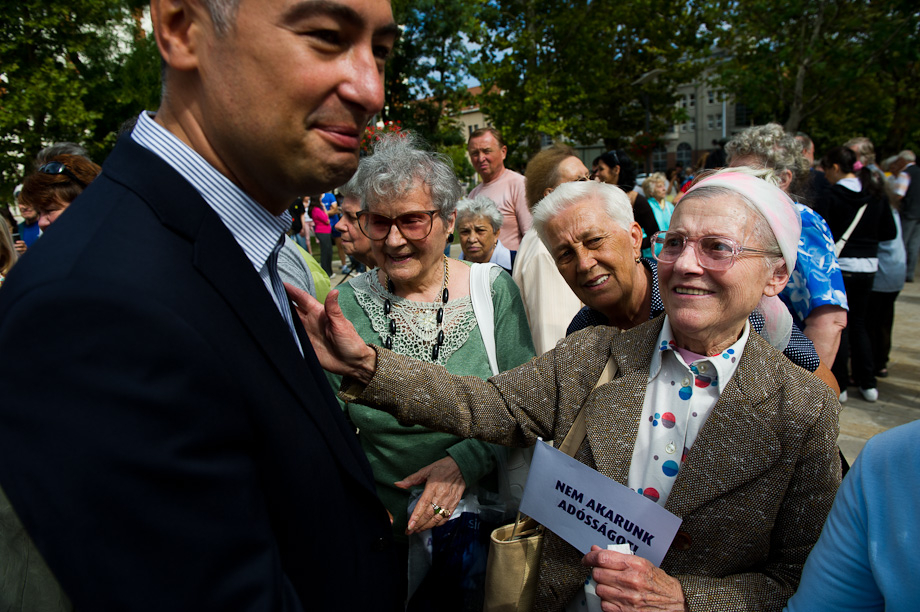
338, 346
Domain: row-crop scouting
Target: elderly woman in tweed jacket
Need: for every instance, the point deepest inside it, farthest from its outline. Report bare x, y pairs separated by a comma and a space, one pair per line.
702, 416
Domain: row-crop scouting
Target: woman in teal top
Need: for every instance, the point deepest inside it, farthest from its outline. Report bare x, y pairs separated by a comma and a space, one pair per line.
656, 190
418, 303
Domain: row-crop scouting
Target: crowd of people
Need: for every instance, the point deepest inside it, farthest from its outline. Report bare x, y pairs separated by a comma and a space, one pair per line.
221, 428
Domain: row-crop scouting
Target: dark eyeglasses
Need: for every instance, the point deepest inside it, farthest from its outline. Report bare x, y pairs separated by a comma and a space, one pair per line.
414, 225
59, 168
712, 252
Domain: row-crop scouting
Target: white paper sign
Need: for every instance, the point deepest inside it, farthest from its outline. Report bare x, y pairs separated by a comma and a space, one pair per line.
584, 507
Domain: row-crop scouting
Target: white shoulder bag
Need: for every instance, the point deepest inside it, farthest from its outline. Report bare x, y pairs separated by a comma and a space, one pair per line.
846, 235
513, 463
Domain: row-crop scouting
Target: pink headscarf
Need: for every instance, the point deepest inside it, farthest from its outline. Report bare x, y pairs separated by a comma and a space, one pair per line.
783, 218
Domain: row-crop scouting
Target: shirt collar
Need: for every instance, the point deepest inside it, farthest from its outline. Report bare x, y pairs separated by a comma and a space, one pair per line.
852, 183
502, 255
725, 362
255, 229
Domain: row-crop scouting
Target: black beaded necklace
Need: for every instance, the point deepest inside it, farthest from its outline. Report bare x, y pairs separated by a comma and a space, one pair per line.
388, 307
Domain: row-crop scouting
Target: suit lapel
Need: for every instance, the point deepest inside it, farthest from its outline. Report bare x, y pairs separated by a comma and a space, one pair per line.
221, 261
715, 465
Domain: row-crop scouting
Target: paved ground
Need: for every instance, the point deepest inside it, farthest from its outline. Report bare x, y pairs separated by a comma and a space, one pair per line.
899, 394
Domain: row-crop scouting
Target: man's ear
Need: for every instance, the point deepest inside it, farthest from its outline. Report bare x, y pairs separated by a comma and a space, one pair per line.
504, 153
177, 25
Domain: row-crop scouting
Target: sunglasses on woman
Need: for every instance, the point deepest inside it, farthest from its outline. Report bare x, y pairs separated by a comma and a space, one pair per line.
59, 168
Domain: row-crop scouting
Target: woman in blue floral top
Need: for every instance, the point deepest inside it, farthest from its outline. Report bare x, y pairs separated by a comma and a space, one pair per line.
814, 294
817, 281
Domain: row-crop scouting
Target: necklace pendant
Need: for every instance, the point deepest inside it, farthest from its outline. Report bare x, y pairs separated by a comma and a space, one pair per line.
670, 448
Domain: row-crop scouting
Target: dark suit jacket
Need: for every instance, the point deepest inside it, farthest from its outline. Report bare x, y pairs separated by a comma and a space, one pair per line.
753, 493
175, 451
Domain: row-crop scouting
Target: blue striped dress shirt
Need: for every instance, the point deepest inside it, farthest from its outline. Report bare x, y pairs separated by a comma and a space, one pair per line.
258, 232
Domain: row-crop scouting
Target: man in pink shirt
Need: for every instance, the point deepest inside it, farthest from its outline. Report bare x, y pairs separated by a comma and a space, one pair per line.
503, 186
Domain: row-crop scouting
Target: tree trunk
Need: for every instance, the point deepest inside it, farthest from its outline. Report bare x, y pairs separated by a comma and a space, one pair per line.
797, 107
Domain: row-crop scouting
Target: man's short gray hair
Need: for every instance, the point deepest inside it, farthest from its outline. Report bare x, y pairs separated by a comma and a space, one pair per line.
805, 139
566, 195
772, 146
223, 14
399, 165
907, 155
480, 206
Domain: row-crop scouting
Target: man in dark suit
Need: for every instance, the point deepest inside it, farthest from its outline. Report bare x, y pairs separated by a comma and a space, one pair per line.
183, 450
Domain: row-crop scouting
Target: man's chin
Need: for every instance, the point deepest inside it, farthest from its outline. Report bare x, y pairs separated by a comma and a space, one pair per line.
340, 167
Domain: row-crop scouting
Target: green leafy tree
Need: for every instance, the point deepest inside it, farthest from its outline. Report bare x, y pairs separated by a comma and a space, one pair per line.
133, 84
899, 81
833, 68
426, 78
68, 71
567, 69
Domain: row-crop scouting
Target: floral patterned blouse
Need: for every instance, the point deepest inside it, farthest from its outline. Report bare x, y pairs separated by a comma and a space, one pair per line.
816, 279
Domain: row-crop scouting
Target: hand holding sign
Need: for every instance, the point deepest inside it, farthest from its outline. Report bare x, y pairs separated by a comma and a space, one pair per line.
633, 583
584, 507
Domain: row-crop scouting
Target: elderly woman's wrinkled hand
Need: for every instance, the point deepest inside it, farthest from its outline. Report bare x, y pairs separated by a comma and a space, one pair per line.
626, 583
338, 346
444, 486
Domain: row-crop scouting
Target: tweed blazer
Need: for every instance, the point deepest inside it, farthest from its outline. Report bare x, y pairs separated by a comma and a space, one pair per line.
754, 491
